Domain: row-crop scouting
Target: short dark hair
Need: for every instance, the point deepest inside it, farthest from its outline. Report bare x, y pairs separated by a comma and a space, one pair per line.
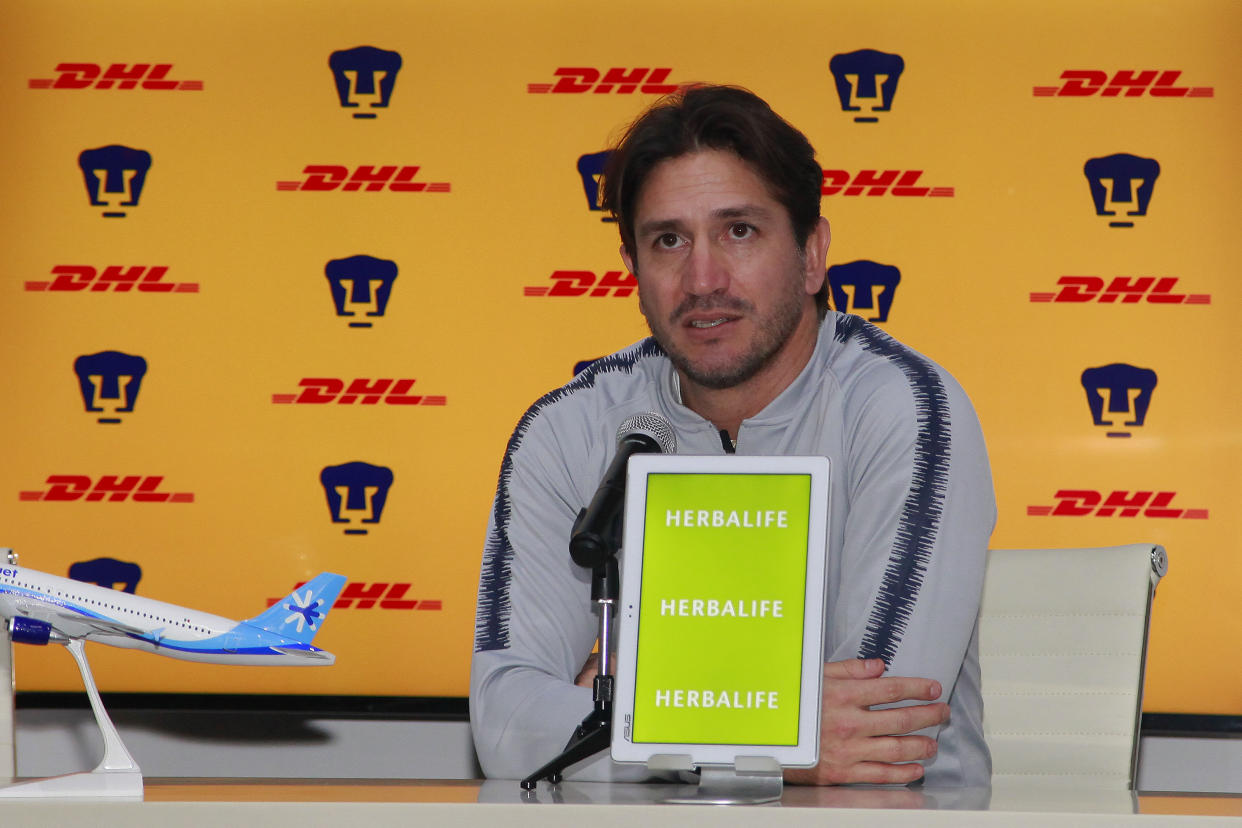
720, 118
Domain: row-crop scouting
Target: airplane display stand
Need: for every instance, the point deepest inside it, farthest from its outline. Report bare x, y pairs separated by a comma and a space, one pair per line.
8, 727
116, 776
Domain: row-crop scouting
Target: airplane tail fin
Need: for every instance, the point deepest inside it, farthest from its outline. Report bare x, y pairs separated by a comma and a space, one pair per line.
301, 613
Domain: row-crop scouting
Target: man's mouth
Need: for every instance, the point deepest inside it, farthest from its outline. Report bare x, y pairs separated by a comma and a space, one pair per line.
708, 323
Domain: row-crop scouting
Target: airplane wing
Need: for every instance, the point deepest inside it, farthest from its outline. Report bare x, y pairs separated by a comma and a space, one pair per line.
102, 626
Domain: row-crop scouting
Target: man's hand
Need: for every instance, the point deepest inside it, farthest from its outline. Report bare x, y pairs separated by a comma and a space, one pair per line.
857, 744
586, 676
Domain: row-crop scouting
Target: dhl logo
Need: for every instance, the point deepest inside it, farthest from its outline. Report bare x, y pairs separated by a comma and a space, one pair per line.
153, 76
372, 179
880, 182
584, 283
324, 390
113, 278
1122, 503
1154, 83
381, 595
577, 80
112, 488
1121, 290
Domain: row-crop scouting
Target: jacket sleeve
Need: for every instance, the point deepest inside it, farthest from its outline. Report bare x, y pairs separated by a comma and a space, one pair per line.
535, 624
920, 511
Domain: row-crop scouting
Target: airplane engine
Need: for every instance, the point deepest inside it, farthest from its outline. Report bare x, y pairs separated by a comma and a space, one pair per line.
31, 631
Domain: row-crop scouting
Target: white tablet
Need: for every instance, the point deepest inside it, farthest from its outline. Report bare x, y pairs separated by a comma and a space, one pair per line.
720, 650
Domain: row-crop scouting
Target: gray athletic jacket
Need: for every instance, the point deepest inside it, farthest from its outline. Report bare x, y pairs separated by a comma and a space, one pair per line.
912, 510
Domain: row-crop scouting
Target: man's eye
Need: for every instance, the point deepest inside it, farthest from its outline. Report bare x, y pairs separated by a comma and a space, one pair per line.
668, 240
740, 230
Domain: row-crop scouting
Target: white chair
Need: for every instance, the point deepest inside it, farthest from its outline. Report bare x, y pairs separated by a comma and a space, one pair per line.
1062, 645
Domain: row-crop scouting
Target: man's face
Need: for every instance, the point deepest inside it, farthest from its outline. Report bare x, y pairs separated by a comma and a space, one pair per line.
724, 287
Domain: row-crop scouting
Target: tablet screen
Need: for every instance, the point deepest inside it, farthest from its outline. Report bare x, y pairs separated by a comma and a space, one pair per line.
721, 623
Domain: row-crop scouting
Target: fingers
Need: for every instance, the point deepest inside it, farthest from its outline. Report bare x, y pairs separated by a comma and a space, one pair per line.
852, 683
874, 773
886, 750
895, 688
854, 668
843, 725
898, 720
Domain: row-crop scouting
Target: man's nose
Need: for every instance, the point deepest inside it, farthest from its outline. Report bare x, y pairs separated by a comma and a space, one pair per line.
706, 271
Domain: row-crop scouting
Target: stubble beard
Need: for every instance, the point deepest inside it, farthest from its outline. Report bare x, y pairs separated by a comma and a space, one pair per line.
771, 335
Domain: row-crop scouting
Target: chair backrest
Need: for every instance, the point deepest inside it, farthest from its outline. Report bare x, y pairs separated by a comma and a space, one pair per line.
1062, 645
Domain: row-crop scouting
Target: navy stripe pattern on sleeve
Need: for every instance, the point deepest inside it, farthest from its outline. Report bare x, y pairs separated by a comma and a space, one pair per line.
491, 627
924, 504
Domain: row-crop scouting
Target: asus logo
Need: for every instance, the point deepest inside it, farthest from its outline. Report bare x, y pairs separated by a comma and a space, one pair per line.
119, 75
577, 80
1122, 289
112, 488
1122, 503
584, 283
114, 278
316, 391
1155, 83
329, 177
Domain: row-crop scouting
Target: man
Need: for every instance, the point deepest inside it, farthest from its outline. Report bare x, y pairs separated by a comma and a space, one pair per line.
718, 203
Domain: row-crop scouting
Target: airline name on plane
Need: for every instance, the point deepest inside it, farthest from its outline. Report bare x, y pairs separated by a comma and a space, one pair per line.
11, 573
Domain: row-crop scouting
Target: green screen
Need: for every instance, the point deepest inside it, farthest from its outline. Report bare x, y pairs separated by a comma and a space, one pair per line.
719, 657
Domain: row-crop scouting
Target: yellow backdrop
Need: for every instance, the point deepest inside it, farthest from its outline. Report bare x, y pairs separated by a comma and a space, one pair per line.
964, 153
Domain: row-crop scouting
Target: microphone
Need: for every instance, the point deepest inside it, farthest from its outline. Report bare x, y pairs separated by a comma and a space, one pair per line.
645, 433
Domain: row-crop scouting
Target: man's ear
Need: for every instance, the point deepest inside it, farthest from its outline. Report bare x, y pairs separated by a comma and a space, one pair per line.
816, 250
625, 258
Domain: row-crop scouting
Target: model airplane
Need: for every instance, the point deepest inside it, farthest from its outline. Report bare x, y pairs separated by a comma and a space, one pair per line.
47, 609
43, 609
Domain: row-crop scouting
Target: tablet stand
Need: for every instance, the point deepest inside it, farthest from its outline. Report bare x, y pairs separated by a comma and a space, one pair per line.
750, 780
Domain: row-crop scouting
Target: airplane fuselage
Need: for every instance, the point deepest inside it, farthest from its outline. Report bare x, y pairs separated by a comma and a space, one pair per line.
120, 619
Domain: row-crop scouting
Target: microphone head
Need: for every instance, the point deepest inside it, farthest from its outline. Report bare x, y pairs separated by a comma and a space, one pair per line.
656, 426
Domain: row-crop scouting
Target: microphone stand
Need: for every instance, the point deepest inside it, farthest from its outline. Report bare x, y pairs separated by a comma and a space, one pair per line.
594, 734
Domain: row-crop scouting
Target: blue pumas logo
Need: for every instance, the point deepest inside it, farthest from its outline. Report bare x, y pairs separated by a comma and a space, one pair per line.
356, 491
364, 75
107, 572
864, 285
110, 381
866, 77
361, 286
590, 170
1130, 181
1128, 390
114, 176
